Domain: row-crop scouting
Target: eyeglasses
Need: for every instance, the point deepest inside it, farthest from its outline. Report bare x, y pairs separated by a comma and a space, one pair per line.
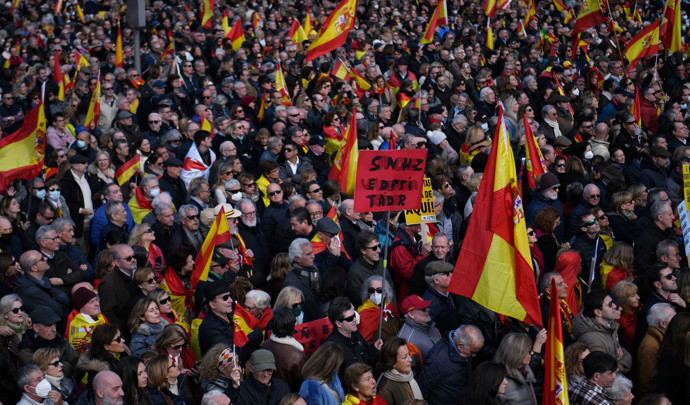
192, 217
118, 339
591, 222
373, 248
670, 276
594, 196
127, 259
298, 304
225, 297
55, 363
531, 233
316, 213
17, 310
375, 290
348, 319
164, 301
151, 281
272, 193
316, 190
177, 347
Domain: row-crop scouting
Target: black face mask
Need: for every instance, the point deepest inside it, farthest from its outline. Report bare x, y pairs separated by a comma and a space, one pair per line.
5, 237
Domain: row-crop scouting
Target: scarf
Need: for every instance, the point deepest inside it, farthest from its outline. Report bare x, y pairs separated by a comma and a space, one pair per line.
567, 315
395, 375
54, 381
141, 199
553, 124
310, 272
19, 329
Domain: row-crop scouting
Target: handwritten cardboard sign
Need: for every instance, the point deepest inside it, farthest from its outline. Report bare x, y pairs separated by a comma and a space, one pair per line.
389, 180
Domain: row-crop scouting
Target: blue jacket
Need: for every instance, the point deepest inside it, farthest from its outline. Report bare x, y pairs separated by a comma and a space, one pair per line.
314, 393
34, 293
78, 258
445, 373
441, 310
100, 220
165, 397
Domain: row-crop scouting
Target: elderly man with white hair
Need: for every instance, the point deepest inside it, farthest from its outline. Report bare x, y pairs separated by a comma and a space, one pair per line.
658, 318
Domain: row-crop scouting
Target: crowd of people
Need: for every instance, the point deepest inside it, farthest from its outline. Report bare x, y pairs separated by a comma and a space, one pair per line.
97, 300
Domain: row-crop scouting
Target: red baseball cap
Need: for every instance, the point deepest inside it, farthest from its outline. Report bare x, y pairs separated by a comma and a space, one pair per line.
413, 302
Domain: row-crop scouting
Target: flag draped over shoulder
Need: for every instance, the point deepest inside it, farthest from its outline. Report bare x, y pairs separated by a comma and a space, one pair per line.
344, 168
334, 31
644, 44
534, 162
494, 268
555, 382
22, 153
218, 234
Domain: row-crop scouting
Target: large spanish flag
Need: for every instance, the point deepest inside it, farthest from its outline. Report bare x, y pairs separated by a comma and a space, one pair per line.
644, 44
236, 35
128, 170
218, 234
590, 15
555, 381
22, 153
534, 162
94, 111
297, 33
670, 28
119, 56
334, 31
344, 168
494, 268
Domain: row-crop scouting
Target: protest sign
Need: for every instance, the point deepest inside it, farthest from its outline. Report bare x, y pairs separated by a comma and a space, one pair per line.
425, 214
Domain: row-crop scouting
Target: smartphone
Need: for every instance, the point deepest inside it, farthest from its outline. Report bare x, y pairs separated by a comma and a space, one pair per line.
159, 261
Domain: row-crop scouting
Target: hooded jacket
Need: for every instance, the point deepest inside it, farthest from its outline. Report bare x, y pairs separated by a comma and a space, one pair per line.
603, 338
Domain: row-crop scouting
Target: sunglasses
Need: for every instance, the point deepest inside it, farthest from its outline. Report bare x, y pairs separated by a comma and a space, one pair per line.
288, 149
670, 276
178, 347
316, 190
373, 248
560, 165
297, 305
348, 319
191, 217
128, 258
603, 216
595, 196
373, 290
531, 233
591, 222
118, 339
151, 281
164, 301
17, 310
225, 297
272, 193
55, 363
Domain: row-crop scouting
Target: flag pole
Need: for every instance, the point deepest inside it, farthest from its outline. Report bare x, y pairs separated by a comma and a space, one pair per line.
385, 266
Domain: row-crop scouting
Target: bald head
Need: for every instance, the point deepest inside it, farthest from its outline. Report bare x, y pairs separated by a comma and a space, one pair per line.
107, 388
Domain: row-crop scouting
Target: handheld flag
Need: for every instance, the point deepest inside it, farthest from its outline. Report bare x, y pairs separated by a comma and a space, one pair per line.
670, 29
225, 24
297, 33
534, 162
555, 381
255, 21
80, 13
207, 13
635, 108
334, 31
170, 49
262, 109
81, 61
236, 35
119, 58
344, 167
361, 84
489, 35
341, 71
94, 111
128, 170
434, 23
281, 87
494, 268
307, 22
590, 15
22, 153
644, 44
217, 235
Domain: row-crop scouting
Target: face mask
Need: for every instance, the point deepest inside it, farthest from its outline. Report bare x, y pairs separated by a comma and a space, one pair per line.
154, 193
41, 194
376, 298
589, 154
81, 144
297, 311
43, 389
684, 106
5, 237
54, 195
236, 196
357, 317
175, 145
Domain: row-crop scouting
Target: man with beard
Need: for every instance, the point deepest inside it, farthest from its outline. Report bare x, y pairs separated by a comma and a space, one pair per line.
547, 196
254, 239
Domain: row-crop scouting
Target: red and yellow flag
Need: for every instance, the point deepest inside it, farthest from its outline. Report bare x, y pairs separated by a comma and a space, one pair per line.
534, 162
341, 71
590, 15
207, 13
319, 246
307, 22
58, 6
236, 35
281, 87
635, 108
559, 5
22, 153
170, 49
644, 44
334, 31
489, 35
555, 381
361, 84
531, 13
119, 56
128, 170
80, 13
344, 167
206, 125
255, 20
494, 268
670, 28
225, 23
218, 234
262, 109
297, 33
569, 17
94, 111
57, 71
434, 23
80, 60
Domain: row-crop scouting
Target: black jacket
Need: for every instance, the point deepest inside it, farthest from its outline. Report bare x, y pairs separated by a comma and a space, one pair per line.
116, 291
271, 217
252, 392
356, 350
255, 240
645, 246
74, 198
175, 187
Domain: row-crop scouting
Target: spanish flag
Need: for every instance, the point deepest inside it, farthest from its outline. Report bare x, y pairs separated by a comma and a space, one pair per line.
58, 7
80, 12
22, 153
225, 23
170, 49
255, 21
81, 60
559, 5
341, 71
434, 23
644, 44
590, 15
569, 17
534, 162
245, 323
307, 23
531, 13
206, 125
344, 168
94, 111
635, 106
57, 71
119, 58
555, 381
490, 8
334, 31
489, 35
218, 234
281, 87
236, 35
319, 246
670, 28
297, 33
494, 268
361, 84
262, 109
128, 170
207, 12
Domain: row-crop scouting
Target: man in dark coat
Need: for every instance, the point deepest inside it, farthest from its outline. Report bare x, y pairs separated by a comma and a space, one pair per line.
261, 387
254, 239
117, 288
172, 183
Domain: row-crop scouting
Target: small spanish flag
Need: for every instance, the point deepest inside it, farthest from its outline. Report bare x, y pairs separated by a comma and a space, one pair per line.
128, 170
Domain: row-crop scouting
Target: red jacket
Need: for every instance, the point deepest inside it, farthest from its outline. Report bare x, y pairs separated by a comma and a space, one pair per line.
650, 119
404, 256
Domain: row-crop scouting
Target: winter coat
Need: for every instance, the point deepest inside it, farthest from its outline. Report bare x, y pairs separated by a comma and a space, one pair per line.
315, 392
445, 373
252, 392
146, 336
601, 338
520, 390
88, 366
423, 335
537, 204
32, 342
394, 392
35, 292
290, 357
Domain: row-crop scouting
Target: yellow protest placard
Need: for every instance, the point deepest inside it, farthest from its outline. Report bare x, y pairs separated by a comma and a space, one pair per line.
426, 213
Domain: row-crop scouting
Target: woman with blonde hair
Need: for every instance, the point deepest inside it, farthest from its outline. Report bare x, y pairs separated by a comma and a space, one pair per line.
475, 142
143, 235
515, 352
629, 300
48, 359
103, 167
219, 370
622, 218
617, 265
173, 341
574, 354
166, 386
322, 384
292, 298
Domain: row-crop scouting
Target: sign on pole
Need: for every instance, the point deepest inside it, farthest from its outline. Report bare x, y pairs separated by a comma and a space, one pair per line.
426, 213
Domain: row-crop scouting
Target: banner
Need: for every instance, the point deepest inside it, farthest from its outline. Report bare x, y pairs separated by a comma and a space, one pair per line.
426, 214
389, 180
311, 334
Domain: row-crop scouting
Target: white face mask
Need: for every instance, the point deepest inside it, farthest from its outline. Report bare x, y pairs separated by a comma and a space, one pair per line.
357, 317
376, 298
43, 388
589, 154
236, 196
